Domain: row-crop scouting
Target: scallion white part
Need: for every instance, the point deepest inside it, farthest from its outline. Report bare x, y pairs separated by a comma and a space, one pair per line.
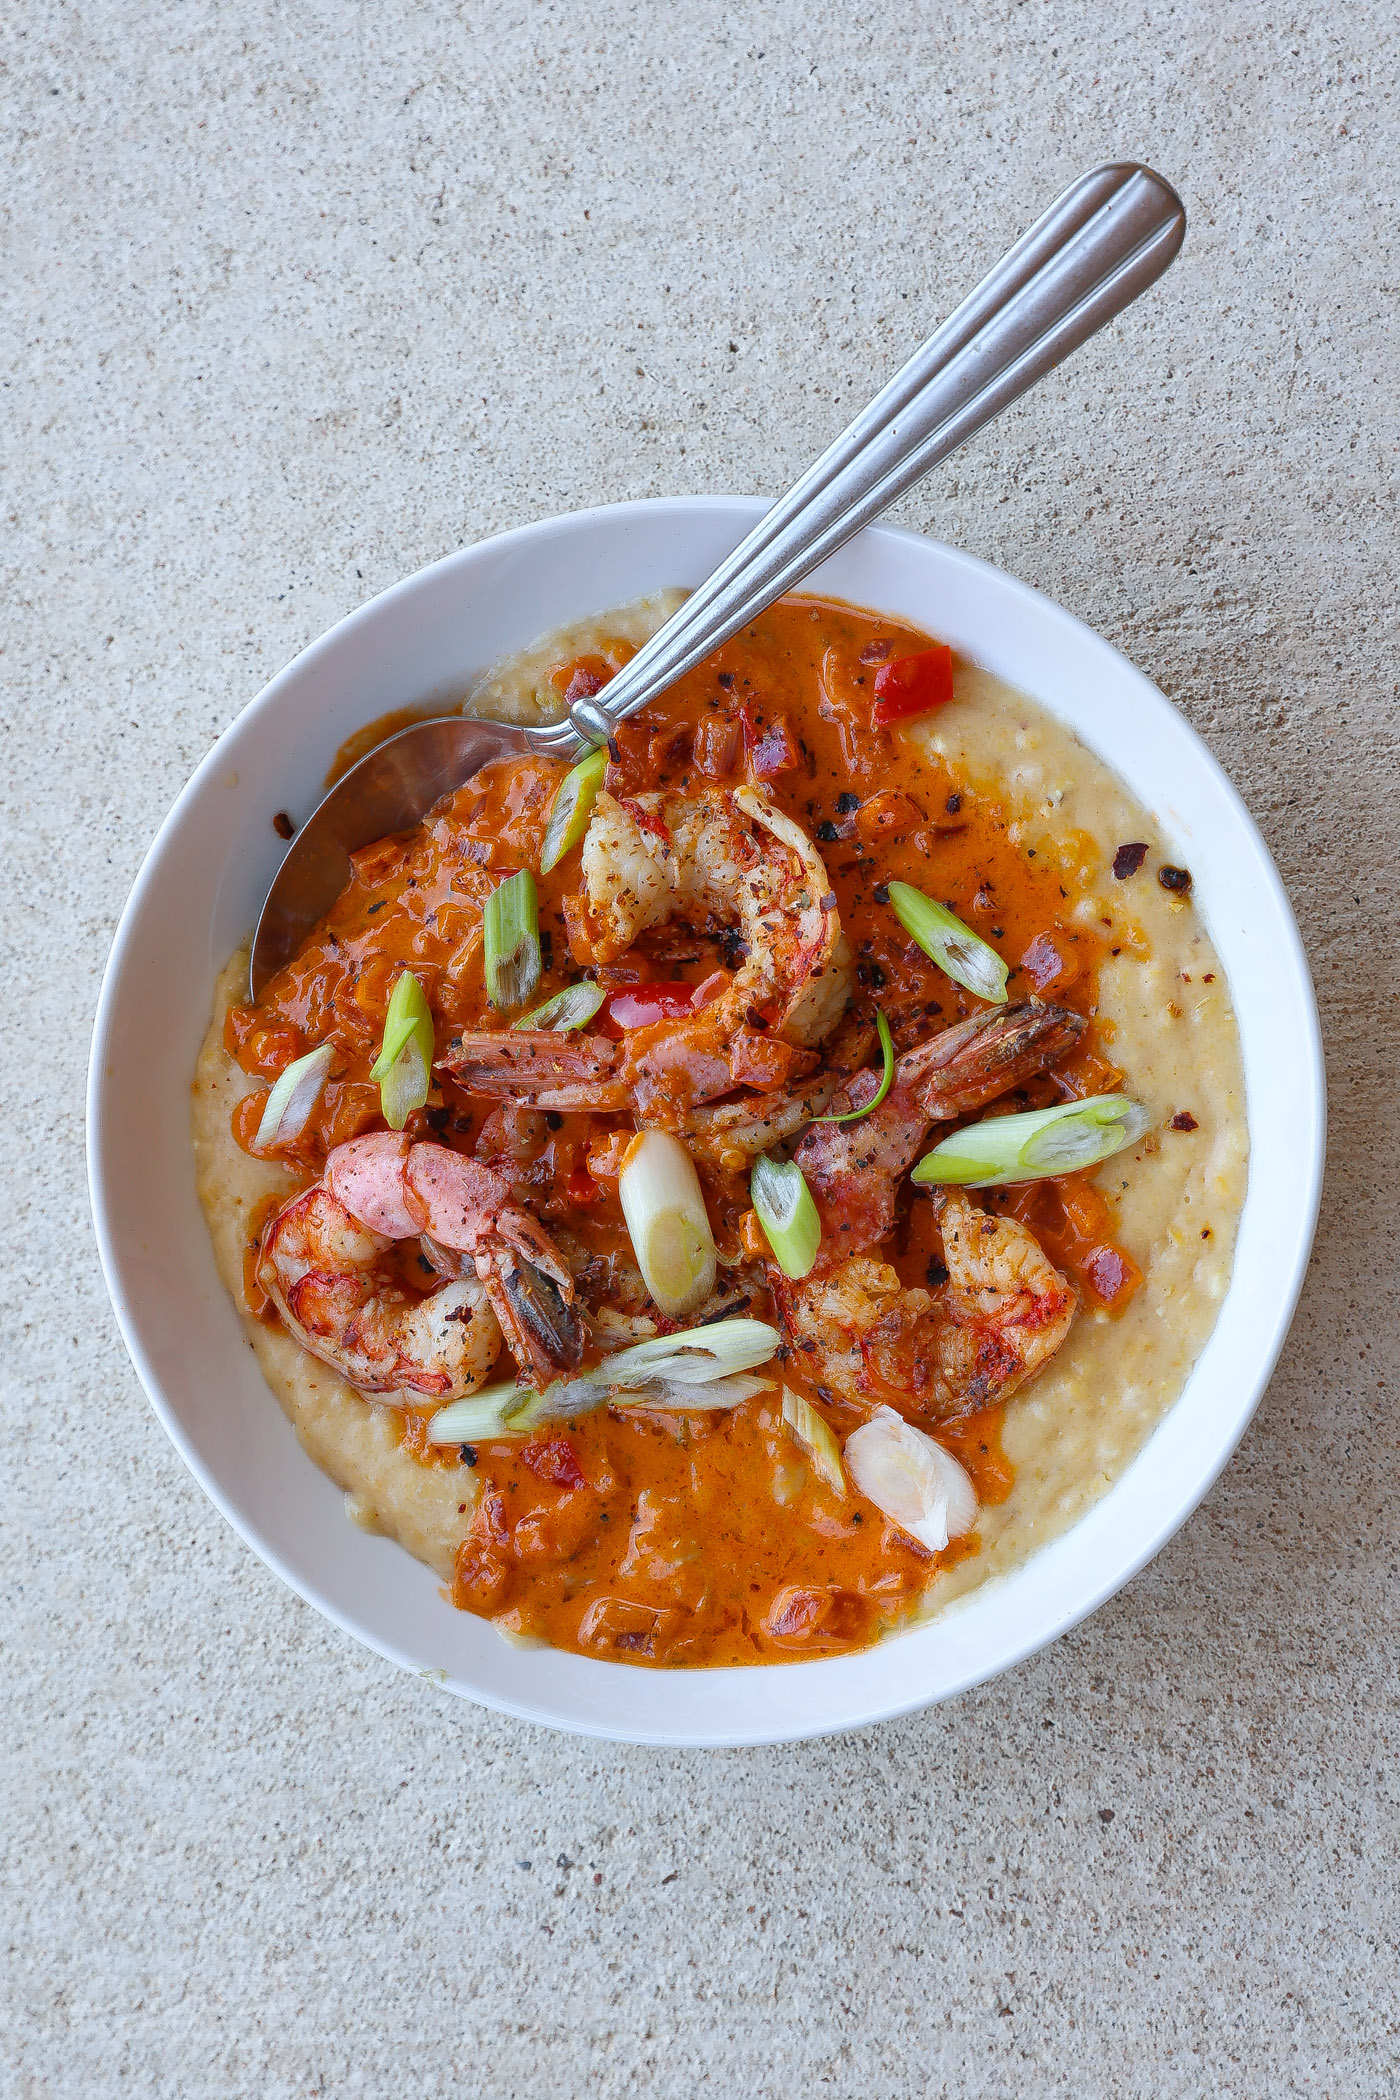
680, 1397
1043, 1141
695, 1357
404, 1066
482, 1414
571, 1008
510, 926
959, 952
912, 1479
666, 1218
571, 808
293, 1097
809, 1430
779, 1193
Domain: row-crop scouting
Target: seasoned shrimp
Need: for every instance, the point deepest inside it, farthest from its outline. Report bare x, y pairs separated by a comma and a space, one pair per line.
854, 1169
1000, 1317
729, 856
322, 1265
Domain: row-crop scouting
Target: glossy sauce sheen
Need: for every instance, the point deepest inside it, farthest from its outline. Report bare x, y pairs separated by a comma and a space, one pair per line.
698, 1539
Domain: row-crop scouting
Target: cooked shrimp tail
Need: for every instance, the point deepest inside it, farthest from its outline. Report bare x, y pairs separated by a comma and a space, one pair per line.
854, 1169
538, 1068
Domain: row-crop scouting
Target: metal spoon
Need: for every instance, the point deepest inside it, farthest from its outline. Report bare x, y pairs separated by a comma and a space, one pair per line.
1105, 240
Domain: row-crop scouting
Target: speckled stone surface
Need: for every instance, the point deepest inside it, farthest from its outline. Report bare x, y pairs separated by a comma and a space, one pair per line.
295, 300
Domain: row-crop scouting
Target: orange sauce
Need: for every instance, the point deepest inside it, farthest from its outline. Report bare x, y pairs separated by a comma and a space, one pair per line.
699, 1539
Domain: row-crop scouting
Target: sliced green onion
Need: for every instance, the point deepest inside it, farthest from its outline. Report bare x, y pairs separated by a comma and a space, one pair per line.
482, 1414
666, 1217
853, 1115
404, 1066
562, 1401
958, 951
811, 1432
911, 1479
695, 1357
290, 1101
572, 807
511, 926
779, 1193
1043, 1141
571, 1008
678, 1397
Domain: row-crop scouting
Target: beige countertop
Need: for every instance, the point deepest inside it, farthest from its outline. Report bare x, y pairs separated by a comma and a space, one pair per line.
295, 301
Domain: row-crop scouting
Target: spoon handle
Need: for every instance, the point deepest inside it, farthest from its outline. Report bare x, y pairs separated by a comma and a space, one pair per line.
1110, 235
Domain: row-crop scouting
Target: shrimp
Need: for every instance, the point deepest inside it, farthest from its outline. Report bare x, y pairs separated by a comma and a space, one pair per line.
854, 1169
322, 1262
999, 1318
727, 854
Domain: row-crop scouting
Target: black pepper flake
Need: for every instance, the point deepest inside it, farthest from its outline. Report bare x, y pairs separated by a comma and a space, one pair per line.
882, 893
283, 825
857, 1517
1184, 1120
953, 805
726, 679
827, 832
553, 1120
936, 1275
376, 907
845, 804
1175, 879
613, 752
468, 1452
1127, 860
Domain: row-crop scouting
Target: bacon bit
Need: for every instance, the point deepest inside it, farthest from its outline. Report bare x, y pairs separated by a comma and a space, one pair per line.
1178, 880
770, 745
1127, 860
1184, 1120
1050, 963
552, 1458
283, 825
718, 745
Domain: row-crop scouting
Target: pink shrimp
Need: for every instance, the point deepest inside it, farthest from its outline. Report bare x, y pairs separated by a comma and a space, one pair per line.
322, 1264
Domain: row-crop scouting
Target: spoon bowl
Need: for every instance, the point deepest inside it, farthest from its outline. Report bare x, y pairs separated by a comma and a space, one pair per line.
390, 789
1109, 237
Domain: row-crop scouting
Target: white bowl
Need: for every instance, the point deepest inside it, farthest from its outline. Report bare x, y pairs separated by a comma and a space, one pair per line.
199, 892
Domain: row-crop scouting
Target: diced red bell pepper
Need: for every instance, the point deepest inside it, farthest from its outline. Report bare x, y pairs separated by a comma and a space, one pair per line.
913, 685
642, 1005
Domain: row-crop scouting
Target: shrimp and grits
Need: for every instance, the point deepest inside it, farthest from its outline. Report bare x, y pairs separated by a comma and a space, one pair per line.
720, 1200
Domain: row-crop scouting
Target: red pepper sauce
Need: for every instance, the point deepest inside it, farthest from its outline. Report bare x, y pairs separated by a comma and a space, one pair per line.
664, 1539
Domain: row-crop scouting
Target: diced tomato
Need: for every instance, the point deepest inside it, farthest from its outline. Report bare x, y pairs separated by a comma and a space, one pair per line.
1111, 1275
1050, 962
913, 685
642, 1005
552, 1458
770, 744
